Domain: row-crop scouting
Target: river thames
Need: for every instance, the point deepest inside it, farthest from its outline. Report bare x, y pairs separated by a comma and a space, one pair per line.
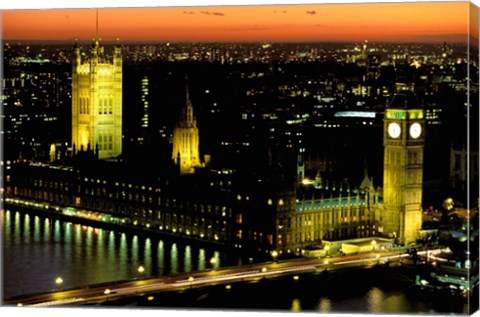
39, 249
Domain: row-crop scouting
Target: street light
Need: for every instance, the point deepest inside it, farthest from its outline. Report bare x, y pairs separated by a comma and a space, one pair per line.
274, 254
141, 269
307, 182
59, 281
213, 262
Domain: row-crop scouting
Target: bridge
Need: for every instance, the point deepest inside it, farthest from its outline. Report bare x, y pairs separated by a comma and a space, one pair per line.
96, 294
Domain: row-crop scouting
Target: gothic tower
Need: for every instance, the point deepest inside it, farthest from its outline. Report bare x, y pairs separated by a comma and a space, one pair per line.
97, 101
186, 153
403, 166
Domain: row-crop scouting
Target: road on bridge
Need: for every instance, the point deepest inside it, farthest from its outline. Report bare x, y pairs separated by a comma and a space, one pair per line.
101, 293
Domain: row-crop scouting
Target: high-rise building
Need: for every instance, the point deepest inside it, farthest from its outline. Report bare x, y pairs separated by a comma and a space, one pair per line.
97, 101
145, 92
403, 166
186, 152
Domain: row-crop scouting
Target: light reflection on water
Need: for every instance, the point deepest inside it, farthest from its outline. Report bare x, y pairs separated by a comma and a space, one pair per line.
37, 250
375, 299
296, 305
324, 306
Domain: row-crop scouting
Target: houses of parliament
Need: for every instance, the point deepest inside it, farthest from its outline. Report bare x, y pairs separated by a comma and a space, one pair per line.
97, 102
261, 211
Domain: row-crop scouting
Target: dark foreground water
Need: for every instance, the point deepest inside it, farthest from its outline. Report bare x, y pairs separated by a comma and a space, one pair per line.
36, 250
359, 291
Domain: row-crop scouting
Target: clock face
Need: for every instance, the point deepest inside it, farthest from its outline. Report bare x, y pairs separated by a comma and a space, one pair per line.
415, 130
394, 130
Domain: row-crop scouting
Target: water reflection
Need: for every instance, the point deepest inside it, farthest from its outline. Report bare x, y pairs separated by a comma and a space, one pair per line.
38, 249
173, 258
296, 305
374, 300
188, 259
324, 305
201, 259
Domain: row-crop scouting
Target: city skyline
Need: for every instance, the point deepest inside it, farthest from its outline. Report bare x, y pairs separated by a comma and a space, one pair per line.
386, 22
216, 154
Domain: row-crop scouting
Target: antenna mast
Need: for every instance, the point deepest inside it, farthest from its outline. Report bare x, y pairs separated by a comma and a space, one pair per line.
97, 26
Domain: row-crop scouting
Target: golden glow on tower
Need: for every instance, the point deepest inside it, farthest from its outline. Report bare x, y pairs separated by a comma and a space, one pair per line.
97, 101
186, 151
403, 167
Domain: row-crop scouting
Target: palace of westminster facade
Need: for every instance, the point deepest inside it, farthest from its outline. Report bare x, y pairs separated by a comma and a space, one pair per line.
257, 211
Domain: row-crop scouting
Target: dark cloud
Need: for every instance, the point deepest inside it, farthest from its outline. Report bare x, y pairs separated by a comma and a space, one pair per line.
205, 13
311, 12
212, 13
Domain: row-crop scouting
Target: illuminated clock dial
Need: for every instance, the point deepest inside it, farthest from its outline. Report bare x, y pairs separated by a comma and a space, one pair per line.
394, 130
415, 130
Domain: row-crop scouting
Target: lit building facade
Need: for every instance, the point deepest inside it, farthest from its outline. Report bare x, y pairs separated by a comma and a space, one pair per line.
214, 206
145, 98
320, 210
403, 166
97, 101
261, 208
186, 151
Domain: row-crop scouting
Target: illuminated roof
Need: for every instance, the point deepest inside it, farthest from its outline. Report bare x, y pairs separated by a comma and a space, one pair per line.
307, 204
366, 183
355, 114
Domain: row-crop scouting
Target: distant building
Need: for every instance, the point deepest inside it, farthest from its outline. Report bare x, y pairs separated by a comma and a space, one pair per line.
145, 101
186, 151
97, 101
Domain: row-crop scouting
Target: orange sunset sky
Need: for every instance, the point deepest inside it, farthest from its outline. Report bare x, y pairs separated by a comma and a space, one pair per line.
394, 22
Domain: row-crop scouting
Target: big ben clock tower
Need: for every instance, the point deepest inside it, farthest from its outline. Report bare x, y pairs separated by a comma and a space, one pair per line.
403, 166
